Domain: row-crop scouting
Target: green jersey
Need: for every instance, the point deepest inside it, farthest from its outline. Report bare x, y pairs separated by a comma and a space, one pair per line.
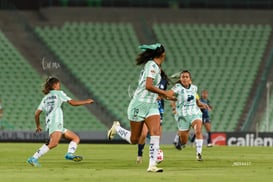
151, 70
51, 105
186, 100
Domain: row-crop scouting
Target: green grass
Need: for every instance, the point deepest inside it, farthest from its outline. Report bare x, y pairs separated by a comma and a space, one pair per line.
116, 163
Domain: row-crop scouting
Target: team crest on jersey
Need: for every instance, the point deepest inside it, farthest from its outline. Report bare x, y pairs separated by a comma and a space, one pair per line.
153, 71
190, 97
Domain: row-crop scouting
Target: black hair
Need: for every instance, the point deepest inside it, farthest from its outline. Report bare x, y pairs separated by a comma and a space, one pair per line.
149, 54
164, 76
48, 85
184, 71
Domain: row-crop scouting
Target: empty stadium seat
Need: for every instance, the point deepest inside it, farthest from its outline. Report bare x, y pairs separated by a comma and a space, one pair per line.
21, 95
101, 55
217, 55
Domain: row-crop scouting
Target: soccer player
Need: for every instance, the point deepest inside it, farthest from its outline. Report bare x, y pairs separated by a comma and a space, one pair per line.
162, 85
143, 107
205, 117
187, 111
51, 105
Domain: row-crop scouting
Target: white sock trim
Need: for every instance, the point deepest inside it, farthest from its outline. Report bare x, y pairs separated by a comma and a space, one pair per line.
199, 144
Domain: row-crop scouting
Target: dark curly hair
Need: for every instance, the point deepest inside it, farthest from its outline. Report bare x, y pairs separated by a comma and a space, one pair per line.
184, 71
48, 85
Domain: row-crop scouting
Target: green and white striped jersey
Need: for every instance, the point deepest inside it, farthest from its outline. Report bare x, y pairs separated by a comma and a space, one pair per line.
186, 100
51, 105
151, 70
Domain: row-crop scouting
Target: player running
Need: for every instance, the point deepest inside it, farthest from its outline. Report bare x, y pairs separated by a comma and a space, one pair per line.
187, 111
51, 105
143, 107
163, 86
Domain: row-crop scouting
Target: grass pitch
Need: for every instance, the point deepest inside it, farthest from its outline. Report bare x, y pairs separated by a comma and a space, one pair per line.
116, 163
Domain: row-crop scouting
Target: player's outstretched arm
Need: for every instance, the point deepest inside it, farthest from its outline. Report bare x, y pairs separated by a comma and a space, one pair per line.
202, 105
80, 102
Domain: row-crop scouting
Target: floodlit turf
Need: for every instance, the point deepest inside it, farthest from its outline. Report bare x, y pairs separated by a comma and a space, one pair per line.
116, 163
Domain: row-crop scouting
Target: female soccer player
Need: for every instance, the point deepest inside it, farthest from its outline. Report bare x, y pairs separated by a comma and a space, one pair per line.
143, 107
187, 111
51, 105
162, 85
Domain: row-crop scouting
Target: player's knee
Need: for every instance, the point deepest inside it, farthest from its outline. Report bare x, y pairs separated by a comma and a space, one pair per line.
77, 139
198, 133
52, 145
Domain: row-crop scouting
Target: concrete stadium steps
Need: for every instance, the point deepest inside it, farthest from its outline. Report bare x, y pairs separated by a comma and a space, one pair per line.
21, 95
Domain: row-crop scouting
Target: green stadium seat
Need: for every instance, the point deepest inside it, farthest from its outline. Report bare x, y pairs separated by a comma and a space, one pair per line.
101, 55
220, 54
21, 94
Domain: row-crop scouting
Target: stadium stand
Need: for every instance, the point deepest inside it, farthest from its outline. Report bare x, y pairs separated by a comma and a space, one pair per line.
21, 94
217, 55
101, 56
211, 46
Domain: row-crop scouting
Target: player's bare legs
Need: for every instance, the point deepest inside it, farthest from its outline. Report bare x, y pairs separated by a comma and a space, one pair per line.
197, 125
72, 147
55, 138
141, 144
183, 136
153, 124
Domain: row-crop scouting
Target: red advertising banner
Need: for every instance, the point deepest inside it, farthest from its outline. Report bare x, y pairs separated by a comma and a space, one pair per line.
219, 138
242, 139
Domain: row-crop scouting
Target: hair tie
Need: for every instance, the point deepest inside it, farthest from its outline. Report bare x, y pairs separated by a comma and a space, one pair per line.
151, 46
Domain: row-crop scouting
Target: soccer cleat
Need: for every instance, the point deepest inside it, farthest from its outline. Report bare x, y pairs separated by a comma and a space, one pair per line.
33, 161
76, 158
199, 157
112, 131
139, 160
210, 145
154, 169
177, 145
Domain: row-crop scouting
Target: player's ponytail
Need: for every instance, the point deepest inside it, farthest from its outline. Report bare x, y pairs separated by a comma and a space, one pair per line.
149, 52
48, 85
